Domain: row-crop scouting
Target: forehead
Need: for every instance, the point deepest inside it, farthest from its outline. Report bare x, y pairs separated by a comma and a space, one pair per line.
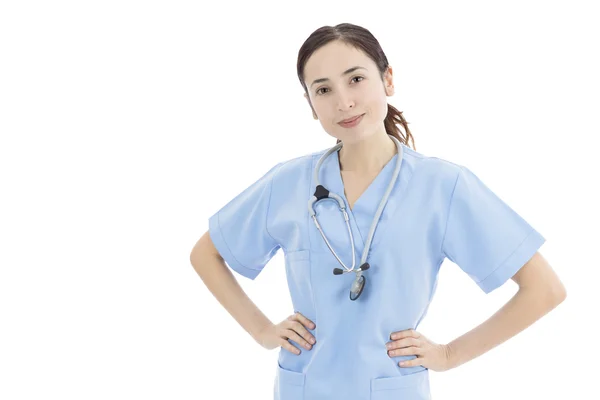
334, 58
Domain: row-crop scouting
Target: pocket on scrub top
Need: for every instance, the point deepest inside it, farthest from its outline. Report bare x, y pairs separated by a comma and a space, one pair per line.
297, 256
289, 385
298, 266
406, 387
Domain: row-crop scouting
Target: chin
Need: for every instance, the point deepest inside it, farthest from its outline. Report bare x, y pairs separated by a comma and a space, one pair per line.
350, 136
355, 137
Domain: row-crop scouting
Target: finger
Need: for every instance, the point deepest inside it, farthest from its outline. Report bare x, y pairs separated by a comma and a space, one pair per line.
406, 342
298, 339
407, 351
305, 321
301, 330
289, 347
404, 334
411, 363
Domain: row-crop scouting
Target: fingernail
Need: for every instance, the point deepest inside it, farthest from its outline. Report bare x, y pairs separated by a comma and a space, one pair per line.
312, 340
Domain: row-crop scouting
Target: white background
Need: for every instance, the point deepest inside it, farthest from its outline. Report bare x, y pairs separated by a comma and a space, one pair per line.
125, 125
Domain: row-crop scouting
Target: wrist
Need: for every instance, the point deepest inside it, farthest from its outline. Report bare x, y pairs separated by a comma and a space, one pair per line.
450, 355
257, 334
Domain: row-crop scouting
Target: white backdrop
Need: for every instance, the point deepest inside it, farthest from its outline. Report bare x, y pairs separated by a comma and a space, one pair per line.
126, 124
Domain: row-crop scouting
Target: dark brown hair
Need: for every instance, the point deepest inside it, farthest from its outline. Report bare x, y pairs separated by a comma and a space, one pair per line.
361, 39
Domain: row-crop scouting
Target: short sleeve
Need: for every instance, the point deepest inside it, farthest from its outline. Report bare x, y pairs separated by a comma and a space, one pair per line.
239, 230
484, 236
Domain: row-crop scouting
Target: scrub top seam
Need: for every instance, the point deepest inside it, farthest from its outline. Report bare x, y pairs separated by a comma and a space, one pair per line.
501, 264
448, 210
269, 202
310, 170
312, 291
227, 244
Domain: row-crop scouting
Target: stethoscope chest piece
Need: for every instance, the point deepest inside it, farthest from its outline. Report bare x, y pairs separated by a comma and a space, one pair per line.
357, 287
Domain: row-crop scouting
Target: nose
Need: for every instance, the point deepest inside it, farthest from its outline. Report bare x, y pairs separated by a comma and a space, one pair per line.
344, 101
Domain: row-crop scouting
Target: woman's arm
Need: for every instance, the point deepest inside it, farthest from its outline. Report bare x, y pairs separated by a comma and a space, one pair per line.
540, 291
218, 278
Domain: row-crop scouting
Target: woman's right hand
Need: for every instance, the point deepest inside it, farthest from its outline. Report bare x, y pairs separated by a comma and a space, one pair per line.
293, 328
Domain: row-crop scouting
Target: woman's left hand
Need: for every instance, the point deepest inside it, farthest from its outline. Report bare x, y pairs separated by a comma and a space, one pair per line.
433, 356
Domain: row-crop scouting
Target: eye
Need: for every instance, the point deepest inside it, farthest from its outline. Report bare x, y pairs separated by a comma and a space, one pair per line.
319, 90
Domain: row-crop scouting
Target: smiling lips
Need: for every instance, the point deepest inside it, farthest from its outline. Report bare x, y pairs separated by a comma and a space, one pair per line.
351, 122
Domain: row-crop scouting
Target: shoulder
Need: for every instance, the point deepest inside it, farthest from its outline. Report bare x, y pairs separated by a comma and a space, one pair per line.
297, 167
429, 168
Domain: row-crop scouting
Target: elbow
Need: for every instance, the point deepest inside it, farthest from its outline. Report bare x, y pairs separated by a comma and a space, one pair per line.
547, 296
195, 256
199, 258
201, 262
554, 294
194, 259
558, 293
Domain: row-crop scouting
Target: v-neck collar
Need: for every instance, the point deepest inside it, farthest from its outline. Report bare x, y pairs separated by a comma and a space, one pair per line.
365, 207
369, 195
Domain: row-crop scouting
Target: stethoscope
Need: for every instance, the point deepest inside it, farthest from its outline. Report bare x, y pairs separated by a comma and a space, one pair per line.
322, 193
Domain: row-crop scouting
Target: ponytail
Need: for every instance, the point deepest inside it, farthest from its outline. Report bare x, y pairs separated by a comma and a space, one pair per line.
394, 117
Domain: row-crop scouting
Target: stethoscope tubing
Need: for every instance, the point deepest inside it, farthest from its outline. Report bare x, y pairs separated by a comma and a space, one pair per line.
322, 193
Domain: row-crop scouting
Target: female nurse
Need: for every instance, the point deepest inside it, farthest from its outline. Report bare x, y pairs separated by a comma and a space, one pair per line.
365, 226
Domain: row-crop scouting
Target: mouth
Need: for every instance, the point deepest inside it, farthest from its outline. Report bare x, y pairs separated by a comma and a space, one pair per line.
350, 120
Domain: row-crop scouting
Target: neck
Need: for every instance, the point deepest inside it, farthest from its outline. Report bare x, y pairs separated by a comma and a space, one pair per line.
367, 156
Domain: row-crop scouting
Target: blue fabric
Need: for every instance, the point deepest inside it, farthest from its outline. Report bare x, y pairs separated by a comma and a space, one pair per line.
436, 210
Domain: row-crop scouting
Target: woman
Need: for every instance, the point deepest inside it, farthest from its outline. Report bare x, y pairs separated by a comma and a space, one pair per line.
402, 212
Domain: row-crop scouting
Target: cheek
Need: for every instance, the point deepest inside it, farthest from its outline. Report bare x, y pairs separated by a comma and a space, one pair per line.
378, 110
375, 101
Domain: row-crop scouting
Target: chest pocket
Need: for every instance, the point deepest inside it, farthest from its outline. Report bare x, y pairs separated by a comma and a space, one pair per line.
299, 278
297, 265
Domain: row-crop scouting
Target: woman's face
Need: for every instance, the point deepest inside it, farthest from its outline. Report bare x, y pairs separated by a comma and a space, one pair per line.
343, 96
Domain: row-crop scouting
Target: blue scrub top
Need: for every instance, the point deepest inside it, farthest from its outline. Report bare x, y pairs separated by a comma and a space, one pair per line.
436, 210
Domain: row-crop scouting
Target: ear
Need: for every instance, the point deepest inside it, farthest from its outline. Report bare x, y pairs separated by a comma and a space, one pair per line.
389, 82
311, 107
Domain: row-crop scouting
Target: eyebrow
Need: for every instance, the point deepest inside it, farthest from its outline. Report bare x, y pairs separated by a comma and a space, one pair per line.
346, 72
